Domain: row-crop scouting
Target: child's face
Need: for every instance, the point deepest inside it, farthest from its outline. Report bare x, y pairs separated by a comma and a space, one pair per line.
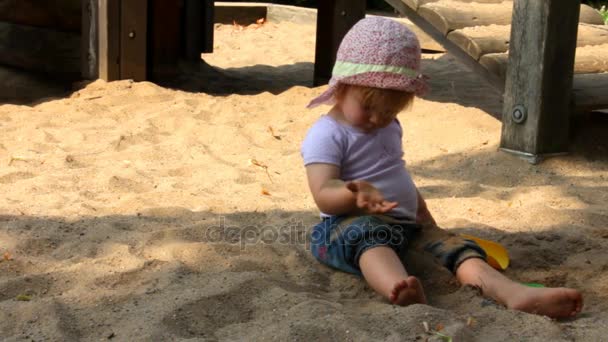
360, 116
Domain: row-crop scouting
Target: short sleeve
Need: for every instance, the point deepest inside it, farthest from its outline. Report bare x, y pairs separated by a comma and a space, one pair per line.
323, 143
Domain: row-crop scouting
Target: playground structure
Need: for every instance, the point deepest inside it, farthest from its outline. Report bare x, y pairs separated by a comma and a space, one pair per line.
534, 65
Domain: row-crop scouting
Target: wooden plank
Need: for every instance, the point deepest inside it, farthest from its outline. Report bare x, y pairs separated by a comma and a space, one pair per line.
56, 14
414, 4
134, 40
452, 48
40, 49
334, 19
108, 58
590, 92
449, 15
482, 40
539, 77
165, 38
89, 43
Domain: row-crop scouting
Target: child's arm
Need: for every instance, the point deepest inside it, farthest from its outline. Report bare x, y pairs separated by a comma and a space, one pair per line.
336, 197
423, 215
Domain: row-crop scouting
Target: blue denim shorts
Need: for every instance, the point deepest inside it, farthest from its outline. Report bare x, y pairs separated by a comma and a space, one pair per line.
339, 241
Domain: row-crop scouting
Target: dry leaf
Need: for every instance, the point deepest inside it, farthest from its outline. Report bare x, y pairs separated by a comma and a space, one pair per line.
24, 298
439, 327
8, 256
470, 321
265, 192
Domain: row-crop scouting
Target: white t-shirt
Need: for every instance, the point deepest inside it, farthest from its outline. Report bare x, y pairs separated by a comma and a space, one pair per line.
375, 157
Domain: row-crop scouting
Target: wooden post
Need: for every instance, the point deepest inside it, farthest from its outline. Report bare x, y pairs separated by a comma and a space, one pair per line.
108, 23
198, 28
165, 38
89, 43
208, 25
134, 39
334, 19
538, 91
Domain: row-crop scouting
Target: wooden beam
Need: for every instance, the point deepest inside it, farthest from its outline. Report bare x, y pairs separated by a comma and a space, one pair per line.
40, 49
334, 19
108, 58
61, 15
89, 43
134, 40
538, 92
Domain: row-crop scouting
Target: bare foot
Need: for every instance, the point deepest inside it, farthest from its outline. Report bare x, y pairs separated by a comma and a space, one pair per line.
407, 291
552, 302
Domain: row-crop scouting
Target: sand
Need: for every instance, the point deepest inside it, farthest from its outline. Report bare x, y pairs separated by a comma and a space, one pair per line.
134, 211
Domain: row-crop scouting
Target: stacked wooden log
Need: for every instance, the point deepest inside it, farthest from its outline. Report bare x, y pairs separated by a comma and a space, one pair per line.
478, 32
42, 36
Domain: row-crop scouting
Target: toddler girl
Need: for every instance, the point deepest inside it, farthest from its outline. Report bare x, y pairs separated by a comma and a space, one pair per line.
370, 207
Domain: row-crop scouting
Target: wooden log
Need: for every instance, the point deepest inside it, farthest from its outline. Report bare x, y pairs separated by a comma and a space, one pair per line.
414, 4
482, 40
589, 59
452, 48
89, 44
134, 40
40, 49
538, 90
590, 92
496, 63
57, 14
334, 19
108, 58
449, 15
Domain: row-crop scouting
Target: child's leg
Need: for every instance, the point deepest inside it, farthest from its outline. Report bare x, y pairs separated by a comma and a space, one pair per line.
384, 272
553, 302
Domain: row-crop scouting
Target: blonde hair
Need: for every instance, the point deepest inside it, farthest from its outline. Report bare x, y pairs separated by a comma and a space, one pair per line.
381, 100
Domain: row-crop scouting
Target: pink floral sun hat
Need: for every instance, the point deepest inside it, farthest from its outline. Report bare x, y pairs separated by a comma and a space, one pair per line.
377, 52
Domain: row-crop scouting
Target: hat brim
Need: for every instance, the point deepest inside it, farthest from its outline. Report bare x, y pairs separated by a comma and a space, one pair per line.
416, 85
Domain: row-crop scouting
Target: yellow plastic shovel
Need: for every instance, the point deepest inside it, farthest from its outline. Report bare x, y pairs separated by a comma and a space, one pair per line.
498, 257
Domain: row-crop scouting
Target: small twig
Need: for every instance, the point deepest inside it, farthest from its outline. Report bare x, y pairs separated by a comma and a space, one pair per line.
122, 137
19, 158
263, 166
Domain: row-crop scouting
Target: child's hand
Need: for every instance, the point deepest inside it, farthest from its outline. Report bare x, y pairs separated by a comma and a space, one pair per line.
369, 199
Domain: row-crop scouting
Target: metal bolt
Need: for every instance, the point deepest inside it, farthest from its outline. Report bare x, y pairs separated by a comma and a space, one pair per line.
519, 114
132, 34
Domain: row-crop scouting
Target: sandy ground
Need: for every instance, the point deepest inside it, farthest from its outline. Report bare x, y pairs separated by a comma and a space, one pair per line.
131, 211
